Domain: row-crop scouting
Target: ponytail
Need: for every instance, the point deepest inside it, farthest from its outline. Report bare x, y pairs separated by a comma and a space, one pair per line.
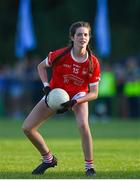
90, 61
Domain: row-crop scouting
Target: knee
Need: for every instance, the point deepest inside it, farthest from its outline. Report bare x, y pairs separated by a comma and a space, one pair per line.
83, 126
26, 129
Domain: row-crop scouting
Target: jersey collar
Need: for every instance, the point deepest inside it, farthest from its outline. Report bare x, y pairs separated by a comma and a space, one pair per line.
84, 60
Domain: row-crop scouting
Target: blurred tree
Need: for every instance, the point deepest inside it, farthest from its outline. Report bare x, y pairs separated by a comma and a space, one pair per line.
53, 17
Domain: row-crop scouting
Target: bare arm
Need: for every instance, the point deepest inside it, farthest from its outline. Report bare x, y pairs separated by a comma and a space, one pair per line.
42, 71
92, 95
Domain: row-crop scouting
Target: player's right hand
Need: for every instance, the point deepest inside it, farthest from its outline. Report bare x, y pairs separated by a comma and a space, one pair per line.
46, 90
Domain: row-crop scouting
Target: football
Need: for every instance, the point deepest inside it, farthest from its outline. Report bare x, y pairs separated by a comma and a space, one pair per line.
56, 97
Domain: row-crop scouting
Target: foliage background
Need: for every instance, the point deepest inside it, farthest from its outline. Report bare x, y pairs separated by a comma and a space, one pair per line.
53, 18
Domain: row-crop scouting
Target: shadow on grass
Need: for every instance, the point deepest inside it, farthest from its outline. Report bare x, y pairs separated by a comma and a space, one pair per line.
71, 175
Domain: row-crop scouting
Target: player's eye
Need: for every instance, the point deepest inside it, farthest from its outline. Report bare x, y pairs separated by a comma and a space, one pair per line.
79, 34
82, 34
86, 34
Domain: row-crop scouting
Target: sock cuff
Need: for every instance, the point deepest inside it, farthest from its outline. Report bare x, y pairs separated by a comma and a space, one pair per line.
89, 161
46, 154
47, 158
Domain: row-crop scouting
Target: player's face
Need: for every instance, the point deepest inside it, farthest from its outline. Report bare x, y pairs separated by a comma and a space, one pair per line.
81, 37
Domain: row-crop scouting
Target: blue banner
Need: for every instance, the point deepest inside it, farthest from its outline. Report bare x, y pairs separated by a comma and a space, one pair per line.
25, 37
102, 30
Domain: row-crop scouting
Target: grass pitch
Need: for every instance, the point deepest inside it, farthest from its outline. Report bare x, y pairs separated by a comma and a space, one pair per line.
116, 150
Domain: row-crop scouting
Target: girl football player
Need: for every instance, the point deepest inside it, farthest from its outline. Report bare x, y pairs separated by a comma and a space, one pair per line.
76, 70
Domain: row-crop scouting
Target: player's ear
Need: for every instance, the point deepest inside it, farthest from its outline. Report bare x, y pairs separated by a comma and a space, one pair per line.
72, 38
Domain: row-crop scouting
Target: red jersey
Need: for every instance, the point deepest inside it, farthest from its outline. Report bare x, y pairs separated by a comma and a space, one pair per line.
71, 75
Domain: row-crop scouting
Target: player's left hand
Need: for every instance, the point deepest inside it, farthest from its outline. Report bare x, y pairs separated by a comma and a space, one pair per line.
69, 104
61, 111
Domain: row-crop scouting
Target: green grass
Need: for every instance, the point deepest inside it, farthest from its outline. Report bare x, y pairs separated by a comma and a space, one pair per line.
116, 150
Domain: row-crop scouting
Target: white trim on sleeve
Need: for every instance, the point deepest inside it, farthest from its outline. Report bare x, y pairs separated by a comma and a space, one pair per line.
93, 84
